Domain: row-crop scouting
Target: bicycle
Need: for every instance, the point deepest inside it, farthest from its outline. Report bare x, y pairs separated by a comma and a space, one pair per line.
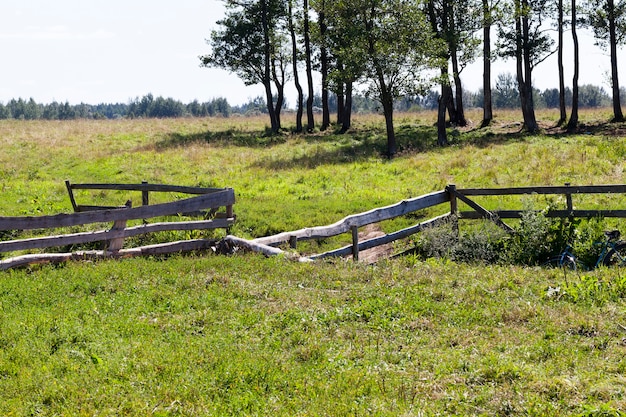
613, 253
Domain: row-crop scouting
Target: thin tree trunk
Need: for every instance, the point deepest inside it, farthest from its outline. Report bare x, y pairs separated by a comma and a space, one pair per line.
572, 124
460, 113
347, 108
617, 108
324, 67
279, 82
340, 97
524, 72
442, 135
487, 100
296, 79
449, 103
563, 110
267, 78
310, 126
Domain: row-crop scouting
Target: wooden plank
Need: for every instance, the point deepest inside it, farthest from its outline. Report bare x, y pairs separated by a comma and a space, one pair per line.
558, 189
517, 214
147, 187
383, 240
359, 220
38, 258
82, 208
262, 248
218, 199
101, 235
168, 247
159, 249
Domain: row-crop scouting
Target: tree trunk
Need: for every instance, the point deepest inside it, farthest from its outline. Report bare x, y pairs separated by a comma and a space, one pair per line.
449, 103
487, 101
617, 108
563, 110
524, 71
296, 79
572, 124
340, 97
347, 109
310, 126
442, 135
280, 96
324, 68
392, 147
460, 113
267, 78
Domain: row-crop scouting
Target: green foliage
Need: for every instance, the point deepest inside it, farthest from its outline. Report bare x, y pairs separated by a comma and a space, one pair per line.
591, 289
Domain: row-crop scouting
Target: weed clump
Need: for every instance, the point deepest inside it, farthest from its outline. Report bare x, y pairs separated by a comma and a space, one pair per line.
534, 239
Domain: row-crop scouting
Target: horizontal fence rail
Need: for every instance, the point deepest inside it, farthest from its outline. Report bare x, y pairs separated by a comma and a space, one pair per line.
206, 200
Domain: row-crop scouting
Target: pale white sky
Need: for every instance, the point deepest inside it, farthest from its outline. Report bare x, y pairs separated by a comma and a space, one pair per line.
115, 50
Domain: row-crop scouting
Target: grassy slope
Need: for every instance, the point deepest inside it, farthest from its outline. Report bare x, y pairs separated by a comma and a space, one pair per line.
246, 335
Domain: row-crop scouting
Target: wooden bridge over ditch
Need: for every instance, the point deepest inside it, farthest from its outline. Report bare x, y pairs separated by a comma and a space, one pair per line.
215, 206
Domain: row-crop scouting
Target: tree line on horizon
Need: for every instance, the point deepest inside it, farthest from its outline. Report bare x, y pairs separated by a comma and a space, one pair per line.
403, 48
504, 96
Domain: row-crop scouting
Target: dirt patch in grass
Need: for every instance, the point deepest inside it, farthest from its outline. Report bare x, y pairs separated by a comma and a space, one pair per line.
373, 255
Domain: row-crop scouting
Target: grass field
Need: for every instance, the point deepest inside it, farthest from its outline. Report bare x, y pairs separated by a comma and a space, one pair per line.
198, 335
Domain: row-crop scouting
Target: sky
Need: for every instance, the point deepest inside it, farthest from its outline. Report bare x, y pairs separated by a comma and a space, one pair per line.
115, 51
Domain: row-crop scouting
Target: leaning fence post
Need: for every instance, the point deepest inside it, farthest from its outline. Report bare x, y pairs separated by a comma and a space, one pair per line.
71, 194
355, 243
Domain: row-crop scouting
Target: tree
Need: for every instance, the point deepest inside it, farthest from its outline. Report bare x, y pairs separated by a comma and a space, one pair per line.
344, 37
247, 43
560, 26
310, 126
394, 39
455, 23
507, 94
607, 18
324, 61
572, 124
296, 78
522, 38
488, 10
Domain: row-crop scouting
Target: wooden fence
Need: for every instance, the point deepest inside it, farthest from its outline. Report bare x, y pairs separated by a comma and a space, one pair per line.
208, 202
451, 197
212, 199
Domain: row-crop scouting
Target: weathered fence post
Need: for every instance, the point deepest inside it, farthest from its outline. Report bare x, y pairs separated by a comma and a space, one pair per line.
453, 209
355, 243
568, 199
114, 245
145, 199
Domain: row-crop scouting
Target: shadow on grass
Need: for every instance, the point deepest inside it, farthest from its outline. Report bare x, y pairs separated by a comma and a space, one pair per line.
365, 142
229, 137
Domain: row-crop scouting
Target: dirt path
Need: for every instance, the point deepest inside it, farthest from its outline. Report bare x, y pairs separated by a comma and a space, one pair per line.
380, 252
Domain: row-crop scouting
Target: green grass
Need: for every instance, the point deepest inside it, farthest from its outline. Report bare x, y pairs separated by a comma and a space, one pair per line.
245, 335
